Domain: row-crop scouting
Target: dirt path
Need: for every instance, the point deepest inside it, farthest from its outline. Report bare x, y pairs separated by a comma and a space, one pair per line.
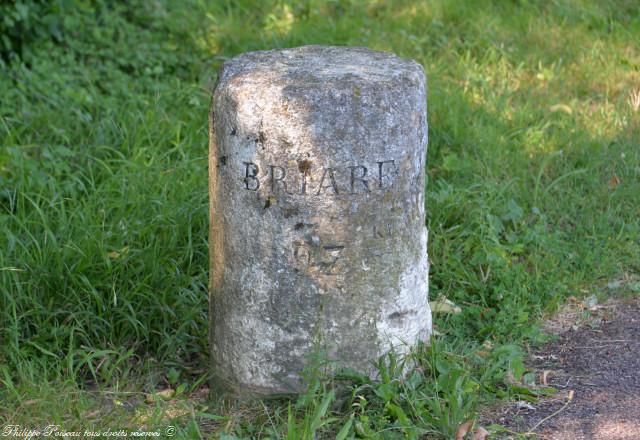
598, 364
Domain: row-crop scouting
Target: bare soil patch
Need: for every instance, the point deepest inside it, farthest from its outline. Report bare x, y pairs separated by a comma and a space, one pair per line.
595, 365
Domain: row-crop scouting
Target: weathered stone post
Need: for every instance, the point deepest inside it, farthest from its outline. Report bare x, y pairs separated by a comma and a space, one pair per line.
318, 237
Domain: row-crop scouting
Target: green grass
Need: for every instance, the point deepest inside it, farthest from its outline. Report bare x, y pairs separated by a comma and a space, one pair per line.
103, 201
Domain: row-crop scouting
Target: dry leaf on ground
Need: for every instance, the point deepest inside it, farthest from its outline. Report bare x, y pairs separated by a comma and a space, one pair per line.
463, 429
443, 305
544, 376
480, 434
160, 395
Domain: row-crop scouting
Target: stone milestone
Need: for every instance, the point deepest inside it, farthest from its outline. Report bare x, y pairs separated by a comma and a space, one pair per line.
318, 241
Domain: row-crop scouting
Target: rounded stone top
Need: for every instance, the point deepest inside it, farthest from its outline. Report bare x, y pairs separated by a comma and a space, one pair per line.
320, 64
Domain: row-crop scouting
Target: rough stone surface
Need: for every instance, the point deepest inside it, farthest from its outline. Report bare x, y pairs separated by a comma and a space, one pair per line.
318, 238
